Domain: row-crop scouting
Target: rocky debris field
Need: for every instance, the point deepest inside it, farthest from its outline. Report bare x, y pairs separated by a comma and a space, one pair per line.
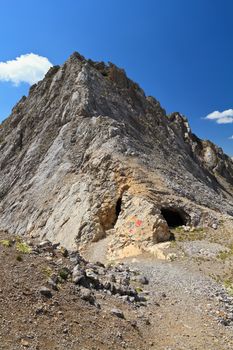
181, 298
190, 294
51, 298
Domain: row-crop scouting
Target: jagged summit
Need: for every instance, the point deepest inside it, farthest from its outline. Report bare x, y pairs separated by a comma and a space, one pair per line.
87, 154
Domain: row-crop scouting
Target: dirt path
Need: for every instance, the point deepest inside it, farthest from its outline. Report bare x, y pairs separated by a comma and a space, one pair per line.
187, 308
186, 317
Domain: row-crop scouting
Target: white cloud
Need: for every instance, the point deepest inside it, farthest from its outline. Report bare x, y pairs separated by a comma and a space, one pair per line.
231, 137
29, 68
224, 117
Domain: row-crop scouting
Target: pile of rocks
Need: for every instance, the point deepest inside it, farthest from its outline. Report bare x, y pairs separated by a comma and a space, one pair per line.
87, 278
224, 314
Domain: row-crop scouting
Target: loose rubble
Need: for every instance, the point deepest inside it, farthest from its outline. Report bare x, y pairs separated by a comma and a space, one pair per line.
88, 278
53, 298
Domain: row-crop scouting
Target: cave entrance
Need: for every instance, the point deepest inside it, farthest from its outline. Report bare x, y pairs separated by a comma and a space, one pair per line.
117, 210
118, 207
174, 217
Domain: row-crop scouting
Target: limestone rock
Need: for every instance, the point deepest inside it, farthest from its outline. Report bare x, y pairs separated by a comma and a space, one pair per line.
87, 155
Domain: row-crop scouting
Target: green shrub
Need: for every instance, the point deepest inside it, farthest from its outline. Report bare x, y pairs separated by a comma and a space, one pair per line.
64, 273
229, 286
6, 243
47, 271
23, 247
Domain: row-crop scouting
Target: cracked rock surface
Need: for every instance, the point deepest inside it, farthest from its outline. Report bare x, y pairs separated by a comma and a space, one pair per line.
87, 155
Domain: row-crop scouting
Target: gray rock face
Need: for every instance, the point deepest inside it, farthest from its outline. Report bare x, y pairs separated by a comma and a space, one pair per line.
87, 154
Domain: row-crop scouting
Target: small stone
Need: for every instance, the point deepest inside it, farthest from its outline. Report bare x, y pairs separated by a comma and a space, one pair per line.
52, 284
124, 298
131, 299
74, 257
39, 310
133, 323
76, 269
44, 244
55, 245
64, 252
92, 275
45, 292
100, 264
78, 279
119, 335
143, 280
24, 343
78, 275
54, 277
141, 297
112, 278
87, 295
118, 313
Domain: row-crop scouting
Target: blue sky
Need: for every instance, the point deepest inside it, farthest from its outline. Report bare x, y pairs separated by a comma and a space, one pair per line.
179, 51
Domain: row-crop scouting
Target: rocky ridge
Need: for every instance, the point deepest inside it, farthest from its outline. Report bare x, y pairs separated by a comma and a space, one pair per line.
87, 155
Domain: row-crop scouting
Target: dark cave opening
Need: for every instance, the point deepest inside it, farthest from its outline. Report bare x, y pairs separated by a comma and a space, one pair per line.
173, 217
118, 209
109, 217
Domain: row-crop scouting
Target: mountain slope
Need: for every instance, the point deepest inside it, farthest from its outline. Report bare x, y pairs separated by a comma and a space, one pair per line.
87, 154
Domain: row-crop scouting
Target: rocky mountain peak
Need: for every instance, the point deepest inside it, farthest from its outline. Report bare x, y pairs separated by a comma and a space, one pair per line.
87, 155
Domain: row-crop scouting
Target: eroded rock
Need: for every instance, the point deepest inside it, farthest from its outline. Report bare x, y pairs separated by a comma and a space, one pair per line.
92, 156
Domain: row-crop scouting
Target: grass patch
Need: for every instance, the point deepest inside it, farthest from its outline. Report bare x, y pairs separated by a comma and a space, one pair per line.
47, 271
229, 286
23, 248
226, 254
223, 255
173, 244
178, 229
195, 234
64, 273
6, 243
172, 257
226, 280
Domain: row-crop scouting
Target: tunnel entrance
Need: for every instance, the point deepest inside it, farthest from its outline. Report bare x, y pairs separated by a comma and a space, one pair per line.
173, 217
